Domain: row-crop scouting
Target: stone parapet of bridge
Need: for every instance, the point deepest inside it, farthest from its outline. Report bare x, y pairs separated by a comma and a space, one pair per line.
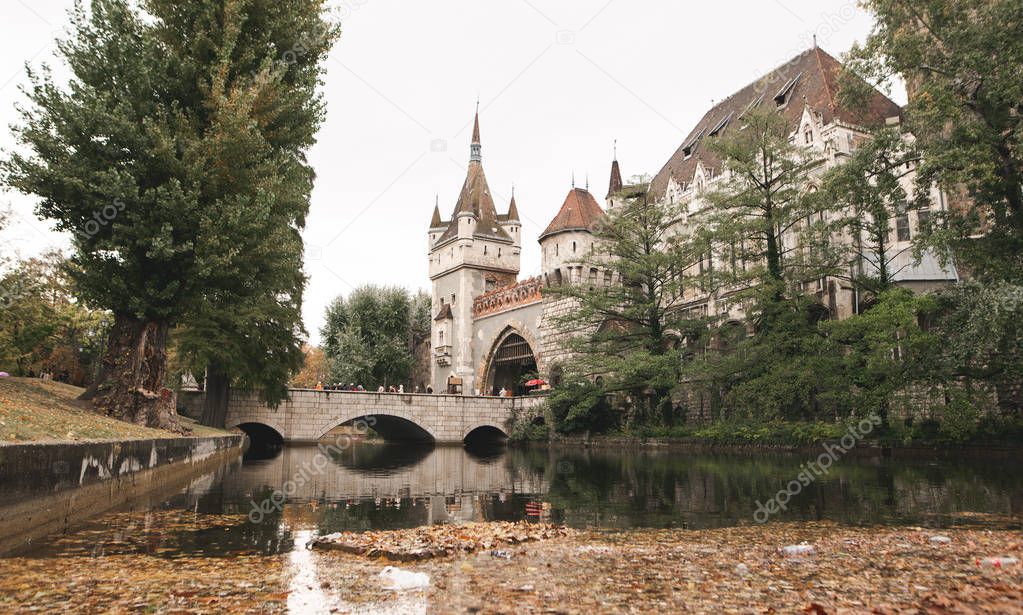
308, 415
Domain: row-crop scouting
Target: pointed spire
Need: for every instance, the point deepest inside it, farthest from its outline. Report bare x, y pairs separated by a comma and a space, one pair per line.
615, 185
513, 210
475, 149
436, 221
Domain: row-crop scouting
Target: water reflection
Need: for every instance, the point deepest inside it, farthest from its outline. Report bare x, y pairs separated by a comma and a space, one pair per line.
378, 486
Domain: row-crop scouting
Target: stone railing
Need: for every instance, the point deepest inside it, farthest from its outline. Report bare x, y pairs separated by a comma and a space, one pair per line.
519, 294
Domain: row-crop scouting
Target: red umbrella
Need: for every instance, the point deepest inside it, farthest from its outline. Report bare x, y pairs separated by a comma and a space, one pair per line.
536, 382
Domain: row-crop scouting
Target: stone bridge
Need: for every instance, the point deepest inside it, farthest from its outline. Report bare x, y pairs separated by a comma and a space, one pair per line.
309, 415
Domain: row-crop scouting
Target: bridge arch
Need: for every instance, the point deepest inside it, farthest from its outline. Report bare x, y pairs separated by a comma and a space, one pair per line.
484, 431
390, 426
512, 353
259, 430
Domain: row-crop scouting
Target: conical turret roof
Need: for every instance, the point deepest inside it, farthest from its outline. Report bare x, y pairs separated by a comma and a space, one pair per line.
476, 199
579, 212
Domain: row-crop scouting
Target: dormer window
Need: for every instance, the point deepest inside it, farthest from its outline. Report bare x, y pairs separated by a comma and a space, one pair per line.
808, 135
782, 97
721, 125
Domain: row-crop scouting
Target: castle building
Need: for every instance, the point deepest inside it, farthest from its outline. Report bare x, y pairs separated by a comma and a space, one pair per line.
491, 331
804, 91
488, 325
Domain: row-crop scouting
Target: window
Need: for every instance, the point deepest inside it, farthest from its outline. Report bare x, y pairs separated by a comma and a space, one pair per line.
607, 279
557, 277
491, 285
923, 219
440, 337
452, 298
484, 249
499, 253
902, 227
721, 125
556, 249
593, 277
782, 97
808, 136
573, 247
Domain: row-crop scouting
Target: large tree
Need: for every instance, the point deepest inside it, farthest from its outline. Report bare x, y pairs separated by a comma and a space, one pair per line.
962, 64
253, 67
867, 201
368, 336
626, 333
136, 156
759, 204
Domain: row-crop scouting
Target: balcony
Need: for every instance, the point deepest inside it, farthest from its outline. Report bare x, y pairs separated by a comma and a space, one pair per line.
442, 354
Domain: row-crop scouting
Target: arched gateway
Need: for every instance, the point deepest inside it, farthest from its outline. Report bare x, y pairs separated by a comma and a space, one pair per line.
511, 360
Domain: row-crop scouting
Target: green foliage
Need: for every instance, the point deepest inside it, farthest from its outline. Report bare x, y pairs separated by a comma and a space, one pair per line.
761, 200
582, 406
175, 156
962, 63
369, 335
864, 196
624, 332
43, 327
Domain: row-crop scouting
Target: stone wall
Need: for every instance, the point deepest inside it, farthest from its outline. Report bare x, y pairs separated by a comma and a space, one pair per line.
51, 487
308, 415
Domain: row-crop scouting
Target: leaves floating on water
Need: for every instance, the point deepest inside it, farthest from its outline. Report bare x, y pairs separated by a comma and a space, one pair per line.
438, 540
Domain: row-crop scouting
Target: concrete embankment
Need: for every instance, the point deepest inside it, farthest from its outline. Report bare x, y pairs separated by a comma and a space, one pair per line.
48, 487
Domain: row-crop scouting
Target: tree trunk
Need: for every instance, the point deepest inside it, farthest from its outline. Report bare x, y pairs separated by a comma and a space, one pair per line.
214, 404
131, 384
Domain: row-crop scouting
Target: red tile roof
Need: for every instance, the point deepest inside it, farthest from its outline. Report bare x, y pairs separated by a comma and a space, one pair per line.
580, 211
811, 76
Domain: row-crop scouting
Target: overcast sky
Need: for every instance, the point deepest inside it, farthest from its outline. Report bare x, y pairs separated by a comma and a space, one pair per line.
558, 82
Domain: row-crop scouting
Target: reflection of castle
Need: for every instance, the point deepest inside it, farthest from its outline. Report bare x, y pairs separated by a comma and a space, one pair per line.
489, 329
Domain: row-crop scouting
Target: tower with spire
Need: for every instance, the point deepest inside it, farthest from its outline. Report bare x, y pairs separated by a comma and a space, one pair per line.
475, 251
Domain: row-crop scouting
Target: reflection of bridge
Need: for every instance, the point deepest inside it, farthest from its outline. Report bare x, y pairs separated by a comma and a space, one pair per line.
308, 415
305, 473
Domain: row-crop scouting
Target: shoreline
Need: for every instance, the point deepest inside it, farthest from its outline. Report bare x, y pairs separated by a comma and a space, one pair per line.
863, 450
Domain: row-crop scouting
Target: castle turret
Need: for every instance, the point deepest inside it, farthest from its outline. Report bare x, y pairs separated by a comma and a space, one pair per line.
476, 251
569, 237
510, 222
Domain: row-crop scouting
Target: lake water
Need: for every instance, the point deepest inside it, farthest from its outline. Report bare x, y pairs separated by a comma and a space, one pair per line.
307, 490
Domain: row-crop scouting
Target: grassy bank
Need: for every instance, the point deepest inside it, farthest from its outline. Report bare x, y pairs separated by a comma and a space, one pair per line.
33, 410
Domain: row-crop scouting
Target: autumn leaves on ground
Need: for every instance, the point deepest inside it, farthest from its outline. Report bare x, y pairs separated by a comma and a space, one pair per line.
735, 570
42, 410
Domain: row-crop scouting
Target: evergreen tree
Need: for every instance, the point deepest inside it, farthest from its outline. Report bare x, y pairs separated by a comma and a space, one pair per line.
759, 204
253, 67
625, 334
137, 157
